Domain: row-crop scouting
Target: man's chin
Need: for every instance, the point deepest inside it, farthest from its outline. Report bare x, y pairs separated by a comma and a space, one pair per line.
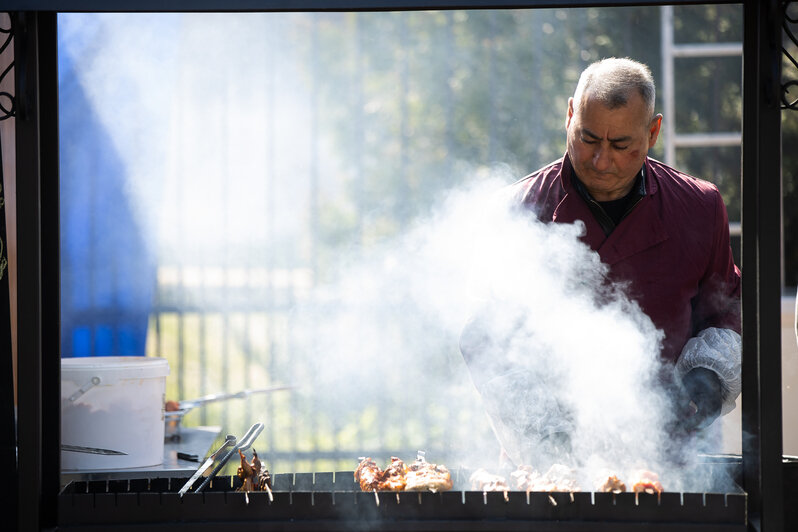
601, 184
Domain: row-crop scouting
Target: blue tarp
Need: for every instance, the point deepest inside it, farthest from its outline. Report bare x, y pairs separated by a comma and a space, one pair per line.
107, 273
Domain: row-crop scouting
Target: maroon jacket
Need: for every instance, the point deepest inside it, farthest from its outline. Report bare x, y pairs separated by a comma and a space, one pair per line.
672, 248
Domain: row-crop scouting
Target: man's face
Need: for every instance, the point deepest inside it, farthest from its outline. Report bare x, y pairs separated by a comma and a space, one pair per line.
607, 147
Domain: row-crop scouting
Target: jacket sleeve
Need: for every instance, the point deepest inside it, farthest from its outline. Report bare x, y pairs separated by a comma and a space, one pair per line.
716, 343
718, 301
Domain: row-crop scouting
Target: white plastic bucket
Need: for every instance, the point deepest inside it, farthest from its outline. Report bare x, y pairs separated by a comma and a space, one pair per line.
114, 403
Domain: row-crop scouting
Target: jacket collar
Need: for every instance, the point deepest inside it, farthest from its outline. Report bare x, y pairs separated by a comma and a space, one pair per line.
649, 184
642, 229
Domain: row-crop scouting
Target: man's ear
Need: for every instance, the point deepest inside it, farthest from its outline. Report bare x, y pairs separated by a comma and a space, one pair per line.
653, 130
570, 113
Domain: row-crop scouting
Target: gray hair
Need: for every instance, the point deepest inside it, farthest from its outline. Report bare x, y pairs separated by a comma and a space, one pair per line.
613, 80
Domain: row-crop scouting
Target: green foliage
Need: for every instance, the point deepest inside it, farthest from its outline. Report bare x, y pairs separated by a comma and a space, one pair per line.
720, 165
708, 23
420, 102
712, 100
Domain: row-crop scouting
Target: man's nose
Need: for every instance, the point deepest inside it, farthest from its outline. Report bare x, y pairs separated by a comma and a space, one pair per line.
601, 158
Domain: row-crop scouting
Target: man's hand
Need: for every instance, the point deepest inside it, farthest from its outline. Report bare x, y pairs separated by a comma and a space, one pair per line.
704, 390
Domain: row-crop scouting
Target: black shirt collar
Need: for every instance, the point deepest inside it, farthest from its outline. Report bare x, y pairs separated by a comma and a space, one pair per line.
610, 213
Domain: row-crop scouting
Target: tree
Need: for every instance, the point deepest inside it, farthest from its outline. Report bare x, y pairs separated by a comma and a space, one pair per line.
433, 99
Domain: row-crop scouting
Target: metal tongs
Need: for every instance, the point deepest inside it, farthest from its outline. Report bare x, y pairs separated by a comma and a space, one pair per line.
245, 443
231, 440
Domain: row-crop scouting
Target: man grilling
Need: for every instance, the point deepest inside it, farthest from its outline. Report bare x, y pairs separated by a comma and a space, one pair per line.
662, 233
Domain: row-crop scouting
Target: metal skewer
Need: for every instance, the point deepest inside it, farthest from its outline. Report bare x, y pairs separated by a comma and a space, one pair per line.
174, 418
90, 450
269, 491
187, 404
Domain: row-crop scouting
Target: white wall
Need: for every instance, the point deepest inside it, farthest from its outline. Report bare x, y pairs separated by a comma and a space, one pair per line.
789, 388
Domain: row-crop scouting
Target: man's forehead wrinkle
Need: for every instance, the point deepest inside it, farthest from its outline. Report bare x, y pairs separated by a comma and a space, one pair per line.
587, 104
589, 133
623, 138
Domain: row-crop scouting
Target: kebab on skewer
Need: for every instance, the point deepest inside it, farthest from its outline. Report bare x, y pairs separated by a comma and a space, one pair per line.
526, 478
482, 480
425, 476
254, 476
648, 482
370, 477
613, 485
557, 478
368, 474
394, 478
419, 476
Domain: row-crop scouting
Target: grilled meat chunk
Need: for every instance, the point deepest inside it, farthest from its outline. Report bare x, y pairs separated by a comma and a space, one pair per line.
394, 476
481, 480
419, 476
255, 477
526, 478
648, 483
424, 476
368, 474
613, 485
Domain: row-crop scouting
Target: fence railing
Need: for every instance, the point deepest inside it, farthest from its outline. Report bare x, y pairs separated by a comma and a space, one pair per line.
233, 343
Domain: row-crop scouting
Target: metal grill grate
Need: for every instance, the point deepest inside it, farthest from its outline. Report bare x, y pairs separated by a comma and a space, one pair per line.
304, 501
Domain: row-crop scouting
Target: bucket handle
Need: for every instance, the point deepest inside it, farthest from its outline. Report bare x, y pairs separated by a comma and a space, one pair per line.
85, 388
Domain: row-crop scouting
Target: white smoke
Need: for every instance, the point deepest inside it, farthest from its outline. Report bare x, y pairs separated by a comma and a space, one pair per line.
199, 125
398, 308
384, 329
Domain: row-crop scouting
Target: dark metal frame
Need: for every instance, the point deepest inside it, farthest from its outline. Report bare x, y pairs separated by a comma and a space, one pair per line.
38, 308
38, 230
787, 84
761, 262
8, 429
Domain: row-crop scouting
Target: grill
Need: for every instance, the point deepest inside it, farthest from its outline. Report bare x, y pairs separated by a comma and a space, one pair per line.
333, 501
156, 506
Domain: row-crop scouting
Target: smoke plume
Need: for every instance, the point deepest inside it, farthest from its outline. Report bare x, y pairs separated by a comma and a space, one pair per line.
396, 312
212, 153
